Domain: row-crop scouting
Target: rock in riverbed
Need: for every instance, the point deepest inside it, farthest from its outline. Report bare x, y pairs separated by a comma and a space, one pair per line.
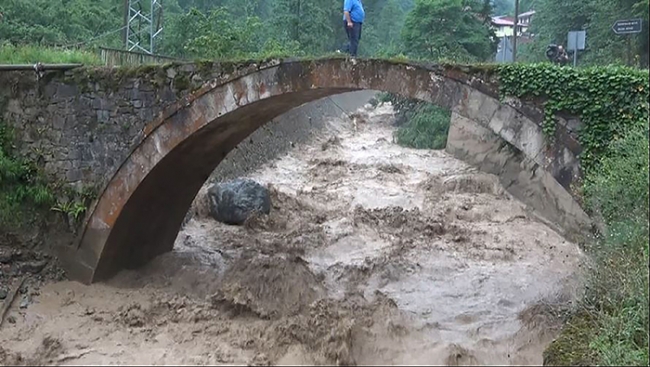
234, 201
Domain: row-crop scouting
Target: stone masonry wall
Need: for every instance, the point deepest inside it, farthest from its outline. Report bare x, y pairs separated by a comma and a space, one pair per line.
78, 133
80, 125
82, 132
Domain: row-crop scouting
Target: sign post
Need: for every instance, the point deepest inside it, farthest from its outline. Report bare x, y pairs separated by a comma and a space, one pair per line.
576, 41
628, 27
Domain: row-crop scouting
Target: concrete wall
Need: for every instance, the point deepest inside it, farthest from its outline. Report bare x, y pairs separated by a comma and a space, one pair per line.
523, 176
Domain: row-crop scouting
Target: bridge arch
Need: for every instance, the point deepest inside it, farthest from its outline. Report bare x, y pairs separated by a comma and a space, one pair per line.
138, 214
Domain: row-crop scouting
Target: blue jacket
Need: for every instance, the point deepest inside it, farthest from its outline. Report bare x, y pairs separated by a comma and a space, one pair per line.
357, 14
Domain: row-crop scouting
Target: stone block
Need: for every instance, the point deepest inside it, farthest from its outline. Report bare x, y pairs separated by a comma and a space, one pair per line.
530, 140
476, 105
501, 118
74, 175
96, 103
58, 122
64, 91
145, 114
103, 116
488, 108
235, 201
447, 93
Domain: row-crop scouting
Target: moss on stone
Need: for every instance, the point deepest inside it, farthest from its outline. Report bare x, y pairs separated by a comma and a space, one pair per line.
182, 82
571, 347
204, 66
399, 60
487, 73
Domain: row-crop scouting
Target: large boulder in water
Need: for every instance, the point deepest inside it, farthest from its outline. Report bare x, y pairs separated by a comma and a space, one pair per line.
234, 201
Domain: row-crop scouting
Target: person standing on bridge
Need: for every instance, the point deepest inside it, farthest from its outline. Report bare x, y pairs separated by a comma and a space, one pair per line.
353, 17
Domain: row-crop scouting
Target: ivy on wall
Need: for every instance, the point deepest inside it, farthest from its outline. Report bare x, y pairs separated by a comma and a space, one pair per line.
608, 100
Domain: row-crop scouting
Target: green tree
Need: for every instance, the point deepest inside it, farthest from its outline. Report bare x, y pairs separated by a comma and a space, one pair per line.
310, 23
503, 7
526, 5
214, 34
381, 35
449, 29
57, 22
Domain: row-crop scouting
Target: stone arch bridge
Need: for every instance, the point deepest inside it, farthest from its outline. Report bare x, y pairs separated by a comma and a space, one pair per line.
147, 138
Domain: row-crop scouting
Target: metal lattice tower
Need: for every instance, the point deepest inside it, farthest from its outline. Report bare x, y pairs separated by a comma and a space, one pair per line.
143, 24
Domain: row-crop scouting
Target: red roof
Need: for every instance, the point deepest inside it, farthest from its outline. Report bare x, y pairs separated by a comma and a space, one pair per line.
505, 21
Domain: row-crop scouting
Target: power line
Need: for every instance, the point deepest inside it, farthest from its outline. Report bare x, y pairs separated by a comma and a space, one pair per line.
95, 38
80, 43
347, 114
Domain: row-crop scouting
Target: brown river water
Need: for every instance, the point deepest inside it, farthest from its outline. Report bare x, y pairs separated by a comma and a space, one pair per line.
372, 254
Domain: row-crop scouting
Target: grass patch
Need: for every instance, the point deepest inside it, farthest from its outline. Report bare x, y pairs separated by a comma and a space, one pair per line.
31, 54
612, 326
572, 347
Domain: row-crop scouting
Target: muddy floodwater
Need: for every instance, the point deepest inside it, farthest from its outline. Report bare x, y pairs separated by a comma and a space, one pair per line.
372, 254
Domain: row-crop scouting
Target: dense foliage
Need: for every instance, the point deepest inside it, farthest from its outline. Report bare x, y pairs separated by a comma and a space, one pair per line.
427, 127
420, 125
611, 329
608, 99
618, 290
248, 28
450, 29
59, 22
555, 18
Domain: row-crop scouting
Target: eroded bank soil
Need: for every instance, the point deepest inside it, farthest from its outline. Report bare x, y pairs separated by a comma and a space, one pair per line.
372, 254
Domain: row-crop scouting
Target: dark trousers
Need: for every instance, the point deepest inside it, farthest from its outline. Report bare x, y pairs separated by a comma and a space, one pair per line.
354, 35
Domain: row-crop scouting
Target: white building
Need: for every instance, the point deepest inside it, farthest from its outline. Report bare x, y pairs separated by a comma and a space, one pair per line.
504, 25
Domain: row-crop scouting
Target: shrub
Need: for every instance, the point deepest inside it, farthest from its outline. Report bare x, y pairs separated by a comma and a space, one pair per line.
421, 125
22, 187
426, 127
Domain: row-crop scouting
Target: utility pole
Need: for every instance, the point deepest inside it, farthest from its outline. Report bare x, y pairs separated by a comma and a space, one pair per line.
143, 24
125, 34
514, 37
